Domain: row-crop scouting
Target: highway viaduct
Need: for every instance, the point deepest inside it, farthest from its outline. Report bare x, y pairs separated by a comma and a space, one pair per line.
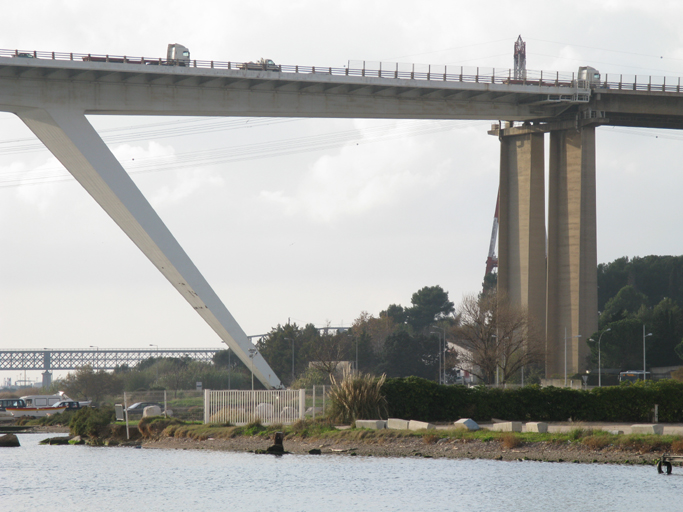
53, 92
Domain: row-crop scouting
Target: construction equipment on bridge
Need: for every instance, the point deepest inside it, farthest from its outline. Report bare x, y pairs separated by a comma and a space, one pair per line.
520, 59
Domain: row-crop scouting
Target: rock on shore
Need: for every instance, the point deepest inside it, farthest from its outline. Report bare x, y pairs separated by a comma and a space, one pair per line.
9, 441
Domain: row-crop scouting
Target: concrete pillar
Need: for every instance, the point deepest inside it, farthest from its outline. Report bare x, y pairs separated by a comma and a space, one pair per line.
572, 292
521, 241
47, 379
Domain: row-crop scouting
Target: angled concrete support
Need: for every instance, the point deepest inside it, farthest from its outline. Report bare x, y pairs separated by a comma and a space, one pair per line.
572, 249
521, 242
70, 137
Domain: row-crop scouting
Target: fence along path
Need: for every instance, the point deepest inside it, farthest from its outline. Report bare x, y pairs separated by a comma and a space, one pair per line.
242, 407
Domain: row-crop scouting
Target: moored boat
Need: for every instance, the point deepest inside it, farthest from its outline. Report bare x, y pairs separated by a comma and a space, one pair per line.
38, 405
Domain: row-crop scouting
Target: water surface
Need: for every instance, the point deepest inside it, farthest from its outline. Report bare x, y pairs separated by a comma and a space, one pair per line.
61, 478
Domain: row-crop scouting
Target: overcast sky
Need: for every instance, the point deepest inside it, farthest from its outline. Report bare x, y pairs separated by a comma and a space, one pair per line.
316, 235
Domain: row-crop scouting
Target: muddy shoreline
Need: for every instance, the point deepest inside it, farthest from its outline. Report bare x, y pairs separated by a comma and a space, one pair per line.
428, 447
418, 447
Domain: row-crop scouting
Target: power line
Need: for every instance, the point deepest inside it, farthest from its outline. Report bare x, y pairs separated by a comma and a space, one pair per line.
248, 152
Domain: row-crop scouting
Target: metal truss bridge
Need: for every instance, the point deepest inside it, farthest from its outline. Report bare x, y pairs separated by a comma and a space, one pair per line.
109, 359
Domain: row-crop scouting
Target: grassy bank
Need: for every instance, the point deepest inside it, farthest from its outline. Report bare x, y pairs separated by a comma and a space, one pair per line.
324, 430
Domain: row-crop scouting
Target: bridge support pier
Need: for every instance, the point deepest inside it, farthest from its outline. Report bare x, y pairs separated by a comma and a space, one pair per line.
558, 287
572, 250
521, 242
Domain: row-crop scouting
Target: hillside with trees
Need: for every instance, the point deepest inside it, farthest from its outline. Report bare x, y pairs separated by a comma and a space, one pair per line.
636, 294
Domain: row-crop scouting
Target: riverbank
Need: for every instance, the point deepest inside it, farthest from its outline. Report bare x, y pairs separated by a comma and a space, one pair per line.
579, 445
569, 443
419, 447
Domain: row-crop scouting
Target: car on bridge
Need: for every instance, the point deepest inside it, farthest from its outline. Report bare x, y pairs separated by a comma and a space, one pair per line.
261, 65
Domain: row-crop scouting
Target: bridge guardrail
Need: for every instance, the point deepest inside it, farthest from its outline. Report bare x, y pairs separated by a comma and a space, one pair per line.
436, 73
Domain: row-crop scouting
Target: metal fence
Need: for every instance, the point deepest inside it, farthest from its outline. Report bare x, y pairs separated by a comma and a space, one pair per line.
242, 407
269, 407
182, 404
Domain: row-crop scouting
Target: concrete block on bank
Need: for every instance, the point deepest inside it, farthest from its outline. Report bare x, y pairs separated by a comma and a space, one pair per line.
537, 426
419, 425
151, 410
508, 426
371, 424
652, 428
467, 423
398, 424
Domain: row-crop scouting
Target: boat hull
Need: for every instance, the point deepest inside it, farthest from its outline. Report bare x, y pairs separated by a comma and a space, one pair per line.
36, 412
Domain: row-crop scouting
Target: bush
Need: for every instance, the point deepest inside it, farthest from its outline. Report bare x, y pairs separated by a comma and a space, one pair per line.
413, 398
92, 422
357, 397
510, 440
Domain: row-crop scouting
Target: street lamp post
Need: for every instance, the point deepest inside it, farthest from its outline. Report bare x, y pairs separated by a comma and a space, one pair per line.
252, 353
644, 336
599, 361
565, 354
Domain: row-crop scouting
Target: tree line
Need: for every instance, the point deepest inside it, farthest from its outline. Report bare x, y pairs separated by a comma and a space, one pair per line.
636, 295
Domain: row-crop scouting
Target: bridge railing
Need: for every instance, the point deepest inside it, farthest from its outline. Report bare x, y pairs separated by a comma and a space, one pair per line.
641, 83
371, 69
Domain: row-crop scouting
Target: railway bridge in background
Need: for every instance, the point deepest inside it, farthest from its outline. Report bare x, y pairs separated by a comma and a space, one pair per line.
53, 92
48, 360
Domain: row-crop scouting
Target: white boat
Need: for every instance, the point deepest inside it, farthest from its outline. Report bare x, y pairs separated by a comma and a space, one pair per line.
36, 412
39, 405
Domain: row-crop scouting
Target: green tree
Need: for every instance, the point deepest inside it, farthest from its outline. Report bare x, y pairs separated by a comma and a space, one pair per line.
279, 344
667, 332
626, 303
622, 347
87, 384
406, 354
429, 305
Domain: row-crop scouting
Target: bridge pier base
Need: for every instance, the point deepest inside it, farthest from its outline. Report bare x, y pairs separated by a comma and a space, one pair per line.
558, 287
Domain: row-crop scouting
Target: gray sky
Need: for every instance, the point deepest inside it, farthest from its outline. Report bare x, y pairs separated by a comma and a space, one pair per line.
316, 235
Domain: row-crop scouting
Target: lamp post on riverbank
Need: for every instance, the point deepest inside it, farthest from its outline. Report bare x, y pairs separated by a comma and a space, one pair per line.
644, 336
565, 354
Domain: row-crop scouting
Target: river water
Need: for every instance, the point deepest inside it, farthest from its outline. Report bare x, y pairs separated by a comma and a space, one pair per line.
74, 478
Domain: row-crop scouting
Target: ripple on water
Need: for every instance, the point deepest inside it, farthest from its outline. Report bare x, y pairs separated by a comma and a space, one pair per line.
81, 477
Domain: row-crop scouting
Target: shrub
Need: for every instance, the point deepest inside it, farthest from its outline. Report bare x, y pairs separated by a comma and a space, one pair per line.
420, 399
510, 440
91, 422
430, 438
596, 442
677, 445
357, 397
